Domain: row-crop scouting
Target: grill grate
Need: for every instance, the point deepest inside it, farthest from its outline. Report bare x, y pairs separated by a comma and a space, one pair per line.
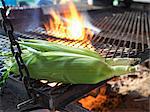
126, 33
4, 48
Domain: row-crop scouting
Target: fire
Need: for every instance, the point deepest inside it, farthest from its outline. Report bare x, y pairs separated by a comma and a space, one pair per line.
101, 101
91, 102
69, 25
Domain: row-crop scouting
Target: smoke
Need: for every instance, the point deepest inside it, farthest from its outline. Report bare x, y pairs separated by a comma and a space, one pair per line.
34, 20
88, 24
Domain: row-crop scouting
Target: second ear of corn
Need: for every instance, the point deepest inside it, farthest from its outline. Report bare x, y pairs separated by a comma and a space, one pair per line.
54, 62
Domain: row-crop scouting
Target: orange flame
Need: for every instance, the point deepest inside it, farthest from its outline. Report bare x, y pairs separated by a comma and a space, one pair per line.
68, 25
101, 101
91, 102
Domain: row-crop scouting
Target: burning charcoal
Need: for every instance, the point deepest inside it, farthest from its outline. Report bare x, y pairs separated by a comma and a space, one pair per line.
103, 101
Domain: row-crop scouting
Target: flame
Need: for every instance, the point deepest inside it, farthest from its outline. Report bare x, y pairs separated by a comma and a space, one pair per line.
101, 101
68, 25
91, 102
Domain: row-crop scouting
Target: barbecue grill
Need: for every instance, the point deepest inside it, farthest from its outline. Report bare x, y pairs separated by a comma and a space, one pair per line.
124, 33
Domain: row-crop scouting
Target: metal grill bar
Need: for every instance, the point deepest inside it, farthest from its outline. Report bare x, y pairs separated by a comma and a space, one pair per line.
108, 28
146, 29
142, 30
128, 32
118, 32
133, 31
123, 34
99, 21
124, 29
110, 34
137, 31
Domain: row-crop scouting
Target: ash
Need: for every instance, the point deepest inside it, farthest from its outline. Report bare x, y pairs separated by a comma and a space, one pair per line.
138, 82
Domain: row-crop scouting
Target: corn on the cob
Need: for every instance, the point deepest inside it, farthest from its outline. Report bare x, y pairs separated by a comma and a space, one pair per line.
67, 65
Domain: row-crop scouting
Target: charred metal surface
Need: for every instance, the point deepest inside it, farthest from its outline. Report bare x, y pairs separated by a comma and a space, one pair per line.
58, 97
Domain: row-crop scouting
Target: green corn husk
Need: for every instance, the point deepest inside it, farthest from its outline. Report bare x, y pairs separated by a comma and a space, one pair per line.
121, 61
45, 46
66, 64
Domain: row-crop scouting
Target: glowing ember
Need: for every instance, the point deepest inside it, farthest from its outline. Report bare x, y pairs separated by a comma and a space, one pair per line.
91, 102
101, 101
69, 25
